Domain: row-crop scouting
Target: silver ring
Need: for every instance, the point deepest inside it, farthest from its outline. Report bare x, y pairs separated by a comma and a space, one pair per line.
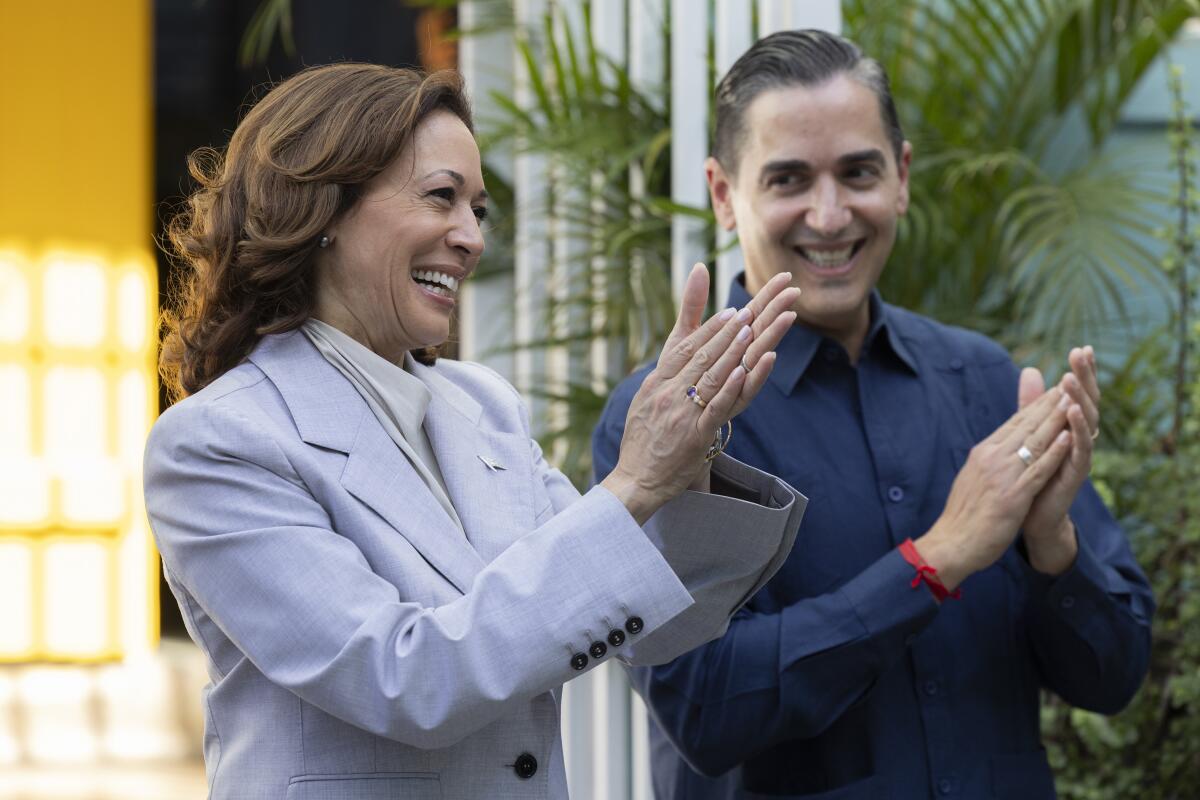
745, 366
1096, 434
1025, 454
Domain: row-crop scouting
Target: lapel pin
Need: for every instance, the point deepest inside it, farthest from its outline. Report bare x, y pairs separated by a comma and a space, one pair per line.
491, 463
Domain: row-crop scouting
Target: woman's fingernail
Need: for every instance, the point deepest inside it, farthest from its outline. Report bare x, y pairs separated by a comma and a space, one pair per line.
744, 333
727, 314
1064, 401
744, 314
1062, 437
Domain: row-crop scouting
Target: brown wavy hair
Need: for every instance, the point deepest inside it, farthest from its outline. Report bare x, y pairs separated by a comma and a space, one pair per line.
295, 164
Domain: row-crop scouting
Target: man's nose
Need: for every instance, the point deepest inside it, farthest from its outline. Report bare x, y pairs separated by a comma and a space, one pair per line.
828, 214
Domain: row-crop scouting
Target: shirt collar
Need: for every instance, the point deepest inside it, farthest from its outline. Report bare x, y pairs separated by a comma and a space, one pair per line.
796, 350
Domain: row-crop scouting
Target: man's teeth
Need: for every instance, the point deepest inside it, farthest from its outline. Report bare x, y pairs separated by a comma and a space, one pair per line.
828, 258
438, 279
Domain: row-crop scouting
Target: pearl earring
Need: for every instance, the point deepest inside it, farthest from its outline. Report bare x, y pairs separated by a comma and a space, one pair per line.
324, 241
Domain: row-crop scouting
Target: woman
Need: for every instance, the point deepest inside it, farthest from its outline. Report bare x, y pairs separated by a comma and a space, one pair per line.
387, 579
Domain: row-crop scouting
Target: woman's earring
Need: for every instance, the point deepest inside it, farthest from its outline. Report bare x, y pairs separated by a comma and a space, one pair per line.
324, 241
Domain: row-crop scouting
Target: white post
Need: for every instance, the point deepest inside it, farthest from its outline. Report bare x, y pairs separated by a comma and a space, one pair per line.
646, 40
531, 259
485, 314
607, 358
689, 145
647, 43
782, 15
734, 35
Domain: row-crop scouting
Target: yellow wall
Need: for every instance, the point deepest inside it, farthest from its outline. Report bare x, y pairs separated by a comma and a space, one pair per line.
75, 122
78, 575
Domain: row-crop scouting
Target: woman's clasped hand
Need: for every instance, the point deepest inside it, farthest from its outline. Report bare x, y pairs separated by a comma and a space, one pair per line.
707, 374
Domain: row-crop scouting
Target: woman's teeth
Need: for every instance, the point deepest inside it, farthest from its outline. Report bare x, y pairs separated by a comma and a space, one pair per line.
828, 258
436, 282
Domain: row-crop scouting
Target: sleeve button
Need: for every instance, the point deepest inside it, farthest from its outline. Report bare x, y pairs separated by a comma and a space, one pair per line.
634, 625
525, 766
616, 637
579, 661
597, 650
1068, 601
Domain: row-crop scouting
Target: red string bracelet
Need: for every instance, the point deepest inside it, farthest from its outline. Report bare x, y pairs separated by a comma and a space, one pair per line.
926, 574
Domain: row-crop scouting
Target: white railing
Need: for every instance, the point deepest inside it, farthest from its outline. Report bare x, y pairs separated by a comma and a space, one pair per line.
604, 723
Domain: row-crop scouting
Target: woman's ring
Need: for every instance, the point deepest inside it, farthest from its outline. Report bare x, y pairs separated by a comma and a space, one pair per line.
694, 394
1025, 454
745, 366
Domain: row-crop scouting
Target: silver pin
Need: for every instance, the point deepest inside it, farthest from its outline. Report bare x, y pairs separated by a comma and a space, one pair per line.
491, 463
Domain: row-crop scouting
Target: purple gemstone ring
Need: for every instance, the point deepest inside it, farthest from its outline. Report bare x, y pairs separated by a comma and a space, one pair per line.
694, 394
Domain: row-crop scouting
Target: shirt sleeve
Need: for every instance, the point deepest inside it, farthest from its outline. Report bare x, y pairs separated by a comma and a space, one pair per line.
782, 674
1089, 627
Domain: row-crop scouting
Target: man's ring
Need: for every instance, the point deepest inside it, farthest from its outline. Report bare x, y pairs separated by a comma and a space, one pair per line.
1096, 434
745, 366
1025, 454
694, 394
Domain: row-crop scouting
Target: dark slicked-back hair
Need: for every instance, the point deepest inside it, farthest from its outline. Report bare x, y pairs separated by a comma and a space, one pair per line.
795, 58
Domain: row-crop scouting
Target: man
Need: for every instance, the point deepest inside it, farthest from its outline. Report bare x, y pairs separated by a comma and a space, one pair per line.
954, 560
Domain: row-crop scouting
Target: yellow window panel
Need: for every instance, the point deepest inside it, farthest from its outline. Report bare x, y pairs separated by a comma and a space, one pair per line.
14, 298
78, 295
76, 596
16, 596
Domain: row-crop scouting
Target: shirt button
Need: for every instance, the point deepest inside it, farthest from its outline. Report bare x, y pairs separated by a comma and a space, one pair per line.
597, 650
634, 625
616, 637
895, 494
945, 786
525, 766
956, 364
1068, 601
909, 639
931, 688
578, 661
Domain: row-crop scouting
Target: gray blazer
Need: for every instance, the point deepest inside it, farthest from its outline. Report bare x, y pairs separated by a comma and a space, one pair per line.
358, 645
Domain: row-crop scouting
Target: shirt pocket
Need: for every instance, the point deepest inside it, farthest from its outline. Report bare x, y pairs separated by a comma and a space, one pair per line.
814, 567
366, 786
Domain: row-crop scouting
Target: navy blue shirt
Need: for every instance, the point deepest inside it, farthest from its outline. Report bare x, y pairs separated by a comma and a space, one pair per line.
840, 680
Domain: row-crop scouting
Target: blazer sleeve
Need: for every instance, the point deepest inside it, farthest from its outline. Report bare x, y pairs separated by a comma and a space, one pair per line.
250, 546
723, 548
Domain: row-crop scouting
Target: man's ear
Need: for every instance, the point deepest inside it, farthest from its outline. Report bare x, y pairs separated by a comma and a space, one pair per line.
903, 167
720, 191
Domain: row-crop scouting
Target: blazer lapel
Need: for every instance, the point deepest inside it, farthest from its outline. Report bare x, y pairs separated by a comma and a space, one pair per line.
494, 502
330, 413
379, 474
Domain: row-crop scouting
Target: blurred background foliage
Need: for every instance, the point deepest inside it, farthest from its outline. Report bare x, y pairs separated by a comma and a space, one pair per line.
1021, 226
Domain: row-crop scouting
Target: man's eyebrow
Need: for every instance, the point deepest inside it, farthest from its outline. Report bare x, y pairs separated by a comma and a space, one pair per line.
785, 165
871, 155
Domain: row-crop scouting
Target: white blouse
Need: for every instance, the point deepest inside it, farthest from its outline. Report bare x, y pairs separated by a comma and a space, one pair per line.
397, 397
